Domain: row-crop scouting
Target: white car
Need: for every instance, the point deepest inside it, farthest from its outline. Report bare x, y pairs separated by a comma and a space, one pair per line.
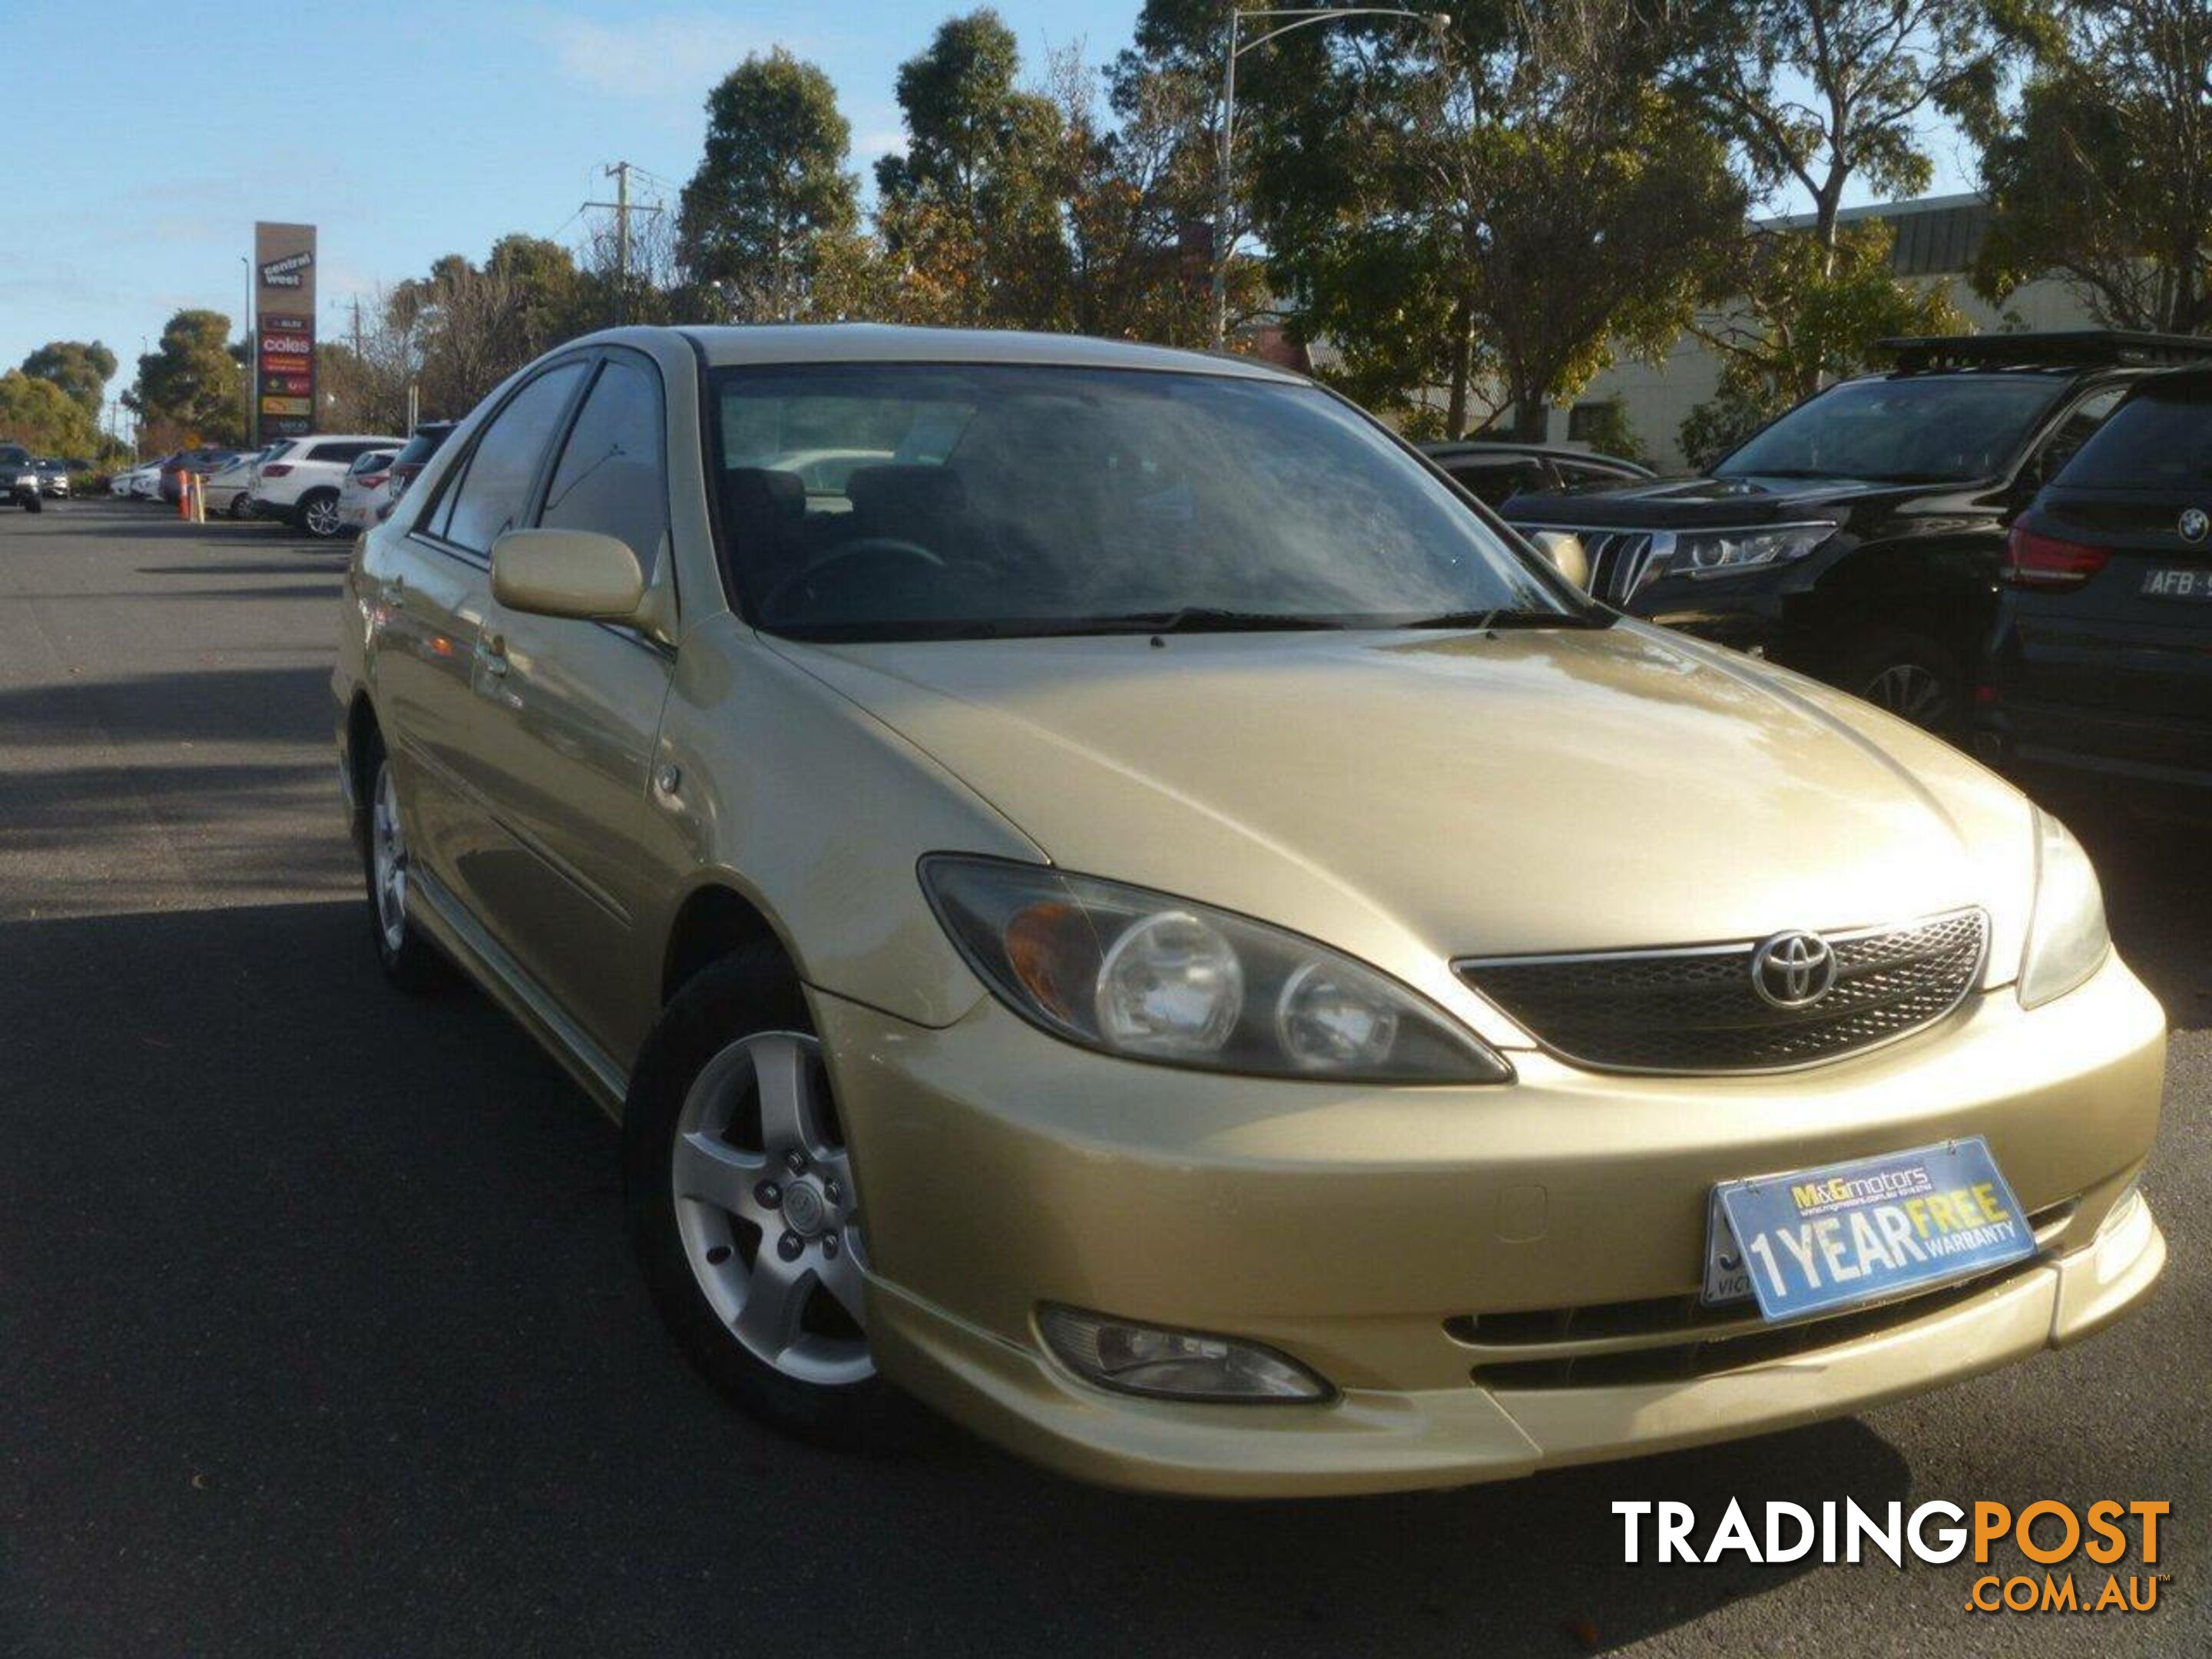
228, 492
145, 482
366, 487
299, 481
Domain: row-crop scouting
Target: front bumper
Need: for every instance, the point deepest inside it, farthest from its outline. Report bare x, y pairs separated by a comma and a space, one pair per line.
1378, 1237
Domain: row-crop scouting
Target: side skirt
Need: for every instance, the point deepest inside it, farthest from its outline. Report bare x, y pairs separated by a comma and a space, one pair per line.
502, 979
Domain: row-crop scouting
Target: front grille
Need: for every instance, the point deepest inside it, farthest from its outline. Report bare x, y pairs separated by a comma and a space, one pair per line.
1619, 563
1697, 1010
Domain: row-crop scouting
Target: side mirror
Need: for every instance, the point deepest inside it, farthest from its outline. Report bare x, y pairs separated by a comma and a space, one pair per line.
567, 572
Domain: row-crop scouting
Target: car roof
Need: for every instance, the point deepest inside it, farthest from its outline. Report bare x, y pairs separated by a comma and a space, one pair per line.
881, 342
1462, 449
2067, 351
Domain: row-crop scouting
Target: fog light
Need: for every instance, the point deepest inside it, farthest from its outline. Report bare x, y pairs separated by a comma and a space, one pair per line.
1171, 1365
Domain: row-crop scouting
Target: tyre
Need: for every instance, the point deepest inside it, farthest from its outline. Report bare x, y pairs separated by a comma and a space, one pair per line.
1908, 675
317, 513
33, 504
741, 1205
409, 961
237, 508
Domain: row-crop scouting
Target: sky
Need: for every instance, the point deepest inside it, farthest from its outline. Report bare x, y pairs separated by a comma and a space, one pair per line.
141, 163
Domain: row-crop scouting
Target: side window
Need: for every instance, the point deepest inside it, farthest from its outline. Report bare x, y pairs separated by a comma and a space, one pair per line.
2070, 434
610, 479
1496, 479
345, 452
494, 489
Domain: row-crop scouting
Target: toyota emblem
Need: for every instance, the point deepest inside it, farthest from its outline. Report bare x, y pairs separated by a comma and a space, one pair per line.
2195, 522
1793, 970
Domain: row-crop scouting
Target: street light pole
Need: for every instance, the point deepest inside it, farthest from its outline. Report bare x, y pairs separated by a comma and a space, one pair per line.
246, 332
1286, 20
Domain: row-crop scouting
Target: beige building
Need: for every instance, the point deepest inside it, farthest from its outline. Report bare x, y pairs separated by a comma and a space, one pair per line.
1937, 238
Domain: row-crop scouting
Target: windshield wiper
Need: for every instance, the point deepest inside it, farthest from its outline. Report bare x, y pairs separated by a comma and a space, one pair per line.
1207, 619
1506, 617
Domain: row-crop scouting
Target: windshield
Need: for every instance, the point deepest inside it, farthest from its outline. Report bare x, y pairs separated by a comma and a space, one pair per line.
921, 501
1942, 431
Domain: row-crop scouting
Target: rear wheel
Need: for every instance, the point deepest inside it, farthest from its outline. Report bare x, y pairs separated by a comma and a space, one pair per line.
1908, 675
742, 1205
318, 514
409, 960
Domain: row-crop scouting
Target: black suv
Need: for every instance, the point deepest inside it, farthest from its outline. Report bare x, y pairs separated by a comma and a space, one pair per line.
1859, 537
2100, 671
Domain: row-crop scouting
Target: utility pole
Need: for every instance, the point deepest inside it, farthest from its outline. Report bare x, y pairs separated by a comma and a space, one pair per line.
619, 172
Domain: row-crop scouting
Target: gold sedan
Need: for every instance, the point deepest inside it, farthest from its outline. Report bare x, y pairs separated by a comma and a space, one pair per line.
1106, 894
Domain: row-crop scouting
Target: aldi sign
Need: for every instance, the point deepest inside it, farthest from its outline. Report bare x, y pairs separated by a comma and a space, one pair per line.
284, 325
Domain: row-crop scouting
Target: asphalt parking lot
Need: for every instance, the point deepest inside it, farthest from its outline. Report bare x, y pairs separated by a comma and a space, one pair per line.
318, 1331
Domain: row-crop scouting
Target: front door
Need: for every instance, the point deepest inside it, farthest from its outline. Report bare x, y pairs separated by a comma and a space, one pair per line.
571, 715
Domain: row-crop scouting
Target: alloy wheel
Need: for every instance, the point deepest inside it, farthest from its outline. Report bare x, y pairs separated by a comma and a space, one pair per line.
388, 859
1910, 691
321, 516
766, 1210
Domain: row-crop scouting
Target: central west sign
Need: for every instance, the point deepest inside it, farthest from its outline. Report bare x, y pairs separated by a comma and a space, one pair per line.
284, 324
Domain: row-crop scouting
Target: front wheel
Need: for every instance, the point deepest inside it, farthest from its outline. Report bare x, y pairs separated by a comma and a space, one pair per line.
1908, 676
319, 514
33, 504
741, 1207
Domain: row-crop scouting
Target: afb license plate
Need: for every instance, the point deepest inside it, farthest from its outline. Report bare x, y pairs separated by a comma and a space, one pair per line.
2178, 582
1817, 1239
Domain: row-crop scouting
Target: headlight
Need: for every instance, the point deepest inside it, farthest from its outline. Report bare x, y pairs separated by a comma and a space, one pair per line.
2066, 936
1724, 552
1140, 974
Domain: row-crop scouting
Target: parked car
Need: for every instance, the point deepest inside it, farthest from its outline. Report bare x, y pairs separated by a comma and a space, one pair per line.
200, 460
146, 480
2099, 672
299, 483
1492, 470
1115, 921
228, 491
365, 488
19, 479
1859, 537
53, 478
413, 456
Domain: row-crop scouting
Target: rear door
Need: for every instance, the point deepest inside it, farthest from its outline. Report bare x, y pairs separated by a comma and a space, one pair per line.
569, 714
2132, 645
430, 600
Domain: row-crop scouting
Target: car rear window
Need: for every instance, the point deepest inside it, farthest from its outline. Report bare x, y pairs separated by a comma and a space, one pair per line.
2160, 440
421, 447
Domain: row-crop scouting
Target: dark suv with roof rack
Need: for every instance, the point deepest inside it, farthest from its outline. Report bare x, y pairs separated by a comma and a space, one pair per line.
1860, 536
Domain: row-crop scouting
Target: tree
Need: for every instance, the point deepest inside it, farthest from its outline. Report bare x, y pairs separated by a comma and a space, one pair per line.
2105, 178
1498, 217
79, 367
38, 414
193, 382
771, 191
971, 214
1800, 315
1818, 93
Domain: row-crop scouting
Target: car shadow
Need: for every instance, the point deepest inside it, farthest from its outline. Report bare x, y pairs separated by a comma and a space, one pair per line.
327, 1284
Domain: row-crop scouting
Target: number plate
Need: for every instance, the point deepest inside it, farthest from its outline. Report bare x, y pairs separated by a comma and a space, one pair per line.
2178, 582
1818, 1240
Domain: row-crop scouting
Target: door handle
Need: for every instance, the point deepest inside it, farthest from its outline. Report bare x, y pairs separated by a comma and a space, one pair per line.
491, 651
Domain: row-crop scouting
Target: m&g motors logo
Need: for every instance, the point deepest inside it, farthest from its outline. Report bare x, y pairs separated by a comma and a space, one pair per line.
2052, 1536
